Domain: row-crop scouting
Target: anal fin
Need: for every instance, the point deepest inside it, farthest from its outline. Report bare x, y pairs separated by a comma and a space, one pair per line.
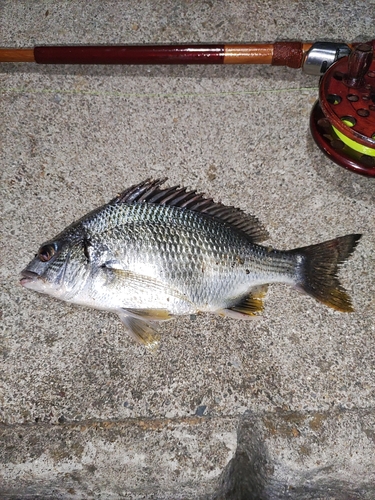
250, 306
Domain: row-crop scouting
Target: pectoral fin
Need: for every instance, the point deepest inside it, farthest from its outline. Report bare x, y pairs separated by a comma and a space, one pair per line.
142, 331
250, 306
134, 281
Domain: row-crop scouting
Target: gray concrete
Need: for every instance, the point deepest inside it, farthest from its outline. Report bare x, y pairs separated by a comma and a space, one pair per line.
282, 407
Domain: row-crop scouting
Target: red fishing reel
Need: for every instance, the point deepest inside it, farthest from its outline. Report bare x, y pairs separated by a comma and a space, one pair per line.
343, 120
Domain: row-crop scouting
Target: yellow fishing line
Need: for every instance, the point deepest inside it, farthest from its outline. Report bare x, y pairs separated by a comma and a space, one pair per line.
365, 150
156, 95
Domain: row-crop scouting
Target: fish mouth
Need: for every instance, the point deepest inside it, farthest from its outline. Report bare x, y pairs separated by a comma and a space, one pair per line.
28, 277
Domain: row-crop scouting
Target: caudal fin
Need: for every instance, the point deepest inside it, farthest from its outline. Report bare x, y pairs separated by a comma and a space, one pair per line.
318, 270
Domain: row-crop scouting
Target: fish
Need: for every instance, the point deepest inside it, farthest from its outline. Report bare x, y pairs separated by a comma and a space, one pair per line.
154, 253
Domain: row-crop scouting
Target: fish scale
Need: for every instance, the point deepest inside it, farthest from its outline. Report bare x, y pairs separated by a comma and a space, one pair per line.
154, 253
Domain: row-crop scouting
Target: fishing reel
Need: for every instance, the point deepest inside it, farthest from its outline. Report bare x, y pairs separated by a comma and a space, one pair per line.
342, 121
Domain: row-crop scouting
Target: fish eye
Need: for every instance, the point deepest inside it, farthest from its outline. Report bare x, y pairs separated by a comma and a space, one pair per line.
46, 252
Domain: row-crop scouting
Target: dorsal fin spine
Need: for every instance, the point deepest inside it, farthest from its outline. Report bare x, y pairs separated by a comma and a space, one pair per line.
149, 191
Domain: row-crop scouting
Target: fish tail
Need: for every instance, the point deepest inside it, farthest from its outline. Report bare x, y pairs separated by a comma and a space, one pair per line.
317, 271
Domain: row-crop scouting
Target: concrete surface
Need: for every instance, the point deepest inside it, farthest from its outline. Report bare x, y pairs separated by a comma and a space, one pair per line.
282, 407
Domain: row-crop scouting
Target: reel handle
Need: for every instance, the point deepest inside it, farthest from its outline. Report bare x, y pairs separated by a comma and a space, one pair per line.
358, 64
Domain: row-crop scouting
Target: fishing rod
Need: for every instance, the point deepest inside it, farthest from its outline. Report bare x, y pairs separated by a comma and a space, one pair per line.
342, 121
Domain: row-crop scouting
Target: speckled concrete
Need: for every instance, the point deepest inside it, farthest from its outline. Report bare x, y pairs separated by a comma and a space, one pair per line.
287, 400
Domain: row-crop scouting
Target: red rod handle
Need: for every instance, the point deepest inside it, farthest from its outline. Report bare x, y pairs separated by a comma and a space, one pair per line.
147, 54
280, 53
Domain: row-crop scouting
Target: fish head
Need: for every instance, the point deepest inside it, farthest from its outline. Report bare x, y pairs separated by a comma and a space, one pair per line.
58, 269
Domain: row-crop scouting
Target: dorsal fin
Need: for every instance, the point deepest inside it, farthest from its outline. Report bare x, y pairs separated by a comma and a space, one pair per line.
149, 191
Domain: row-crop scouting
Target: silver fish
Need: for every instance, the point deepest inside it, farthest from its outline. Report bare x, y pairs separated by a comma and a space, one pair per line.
154, 253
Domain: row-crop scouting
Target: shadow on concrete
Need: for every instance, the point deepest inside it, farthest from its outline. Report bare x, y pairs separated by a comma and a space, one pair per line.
338, 179
265, 72
256, 472
248, 473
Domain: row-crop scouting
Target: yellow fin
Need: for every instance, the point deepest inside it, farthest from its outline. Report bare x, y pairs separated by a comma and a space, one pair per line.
250, 306
150, 314
141, 331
